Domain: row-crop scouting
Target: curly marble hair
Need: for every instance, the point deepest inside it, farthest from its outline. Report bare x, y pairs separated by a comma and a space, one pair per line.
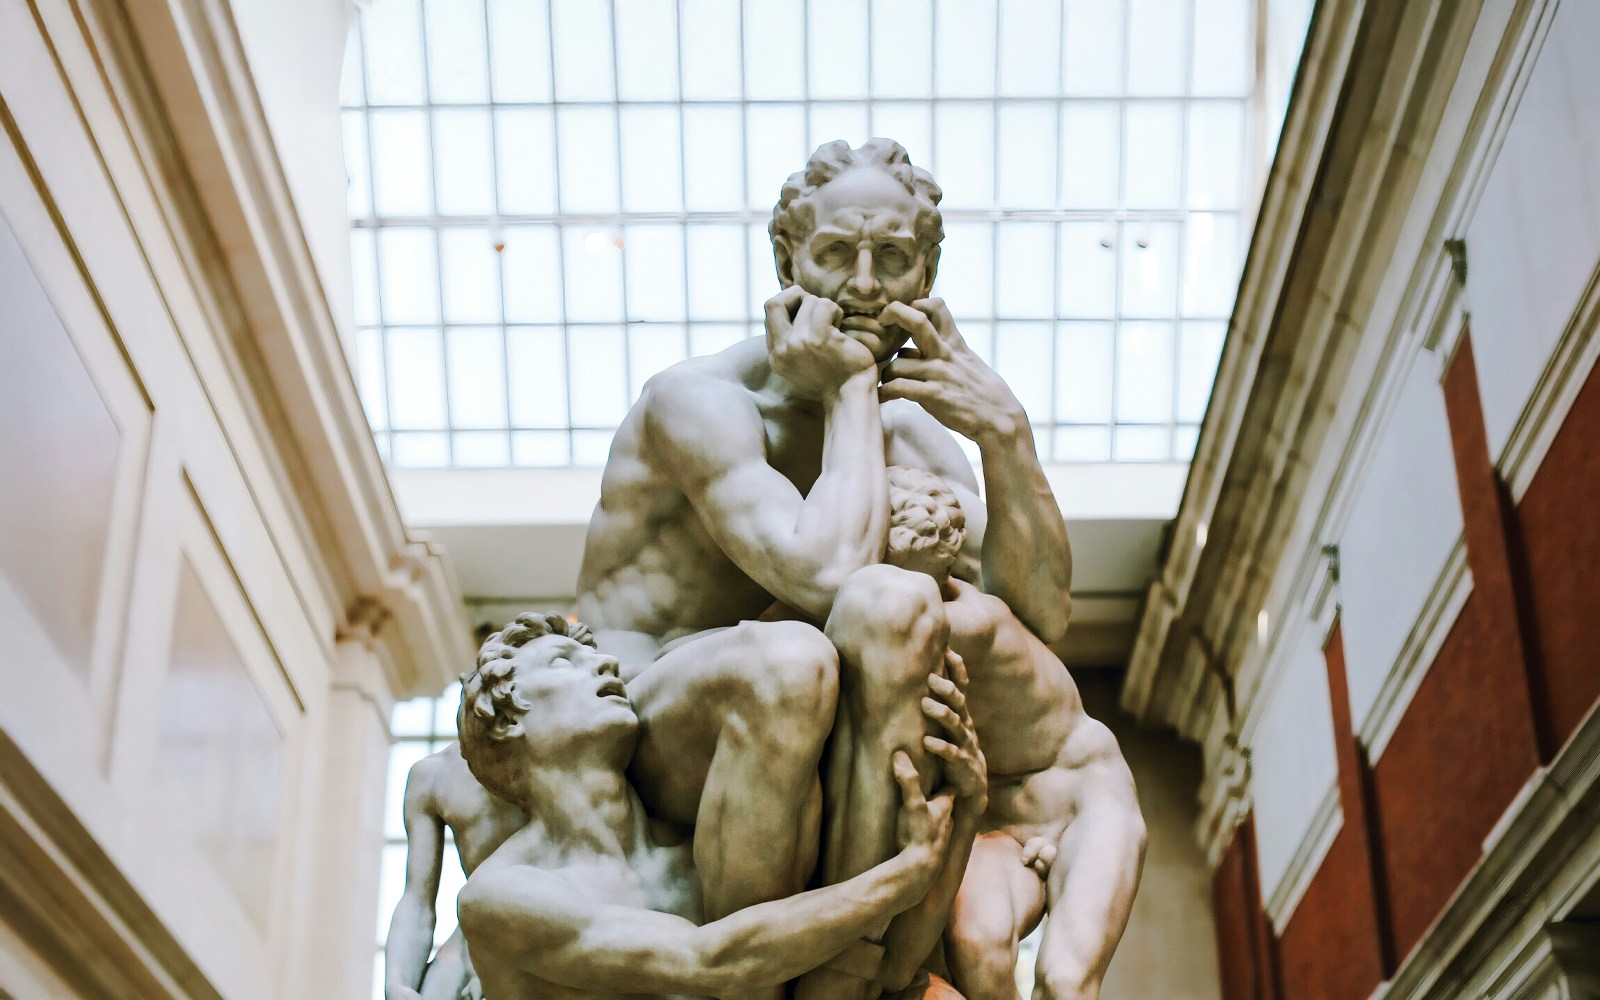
491, 710
794, 217
925, 518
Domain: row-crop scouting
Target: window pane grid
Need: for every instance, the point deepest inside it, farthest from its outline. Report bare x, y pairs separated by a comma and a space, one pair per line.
1102, 146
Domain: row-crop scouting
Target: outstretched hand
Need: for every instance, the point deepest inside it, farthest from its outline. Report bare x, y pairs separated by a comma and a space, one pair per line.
945, 376
966, 771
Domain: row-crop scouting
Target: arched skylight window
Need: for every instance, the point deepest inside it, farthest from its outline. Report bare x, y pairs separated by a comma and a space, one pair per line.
552, 200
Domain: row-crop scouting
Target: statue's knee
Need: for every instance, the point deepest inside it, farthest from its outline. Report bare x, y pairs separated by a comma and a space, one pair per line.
889, 600
793, 678
983, 954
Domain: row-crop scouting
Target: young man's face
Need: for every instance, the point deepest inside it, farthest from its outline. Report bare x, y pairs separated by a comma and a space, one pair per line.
574, 692
863, 254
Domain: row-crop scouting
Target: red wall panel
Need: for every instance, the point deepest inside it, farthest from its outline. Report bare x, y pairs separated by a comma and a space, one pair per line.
1463, 749
1559, 520
1330, 950
1235, 911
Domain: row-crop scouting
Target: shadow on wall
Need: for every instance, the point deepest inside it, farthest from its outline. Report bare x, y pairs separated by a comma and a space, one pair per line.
1170, 948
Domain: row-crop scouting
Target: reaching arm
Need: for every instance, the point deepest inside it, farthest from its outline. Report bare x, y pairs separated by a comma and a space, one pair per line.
532, 920
1027, 560
405, 952
798, 548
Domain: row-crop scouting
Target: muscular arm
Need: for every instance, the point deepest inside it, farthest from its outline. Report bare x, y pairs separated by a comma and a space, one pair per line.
410, 938
533, 921
799, 549
1027, 560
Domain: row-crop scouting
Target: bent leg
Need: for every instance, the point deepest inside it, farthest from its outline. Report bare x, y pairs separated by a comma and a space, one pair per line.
889, 628
731, 732
1000, 901
1092, 884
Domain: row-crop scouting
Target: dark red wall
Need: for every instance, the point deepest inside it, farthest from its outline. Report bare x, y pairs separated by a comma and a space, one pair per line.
1332, 947
1245, 946
1517, 674
1235, 911
1461, 752
1559, 523
1330, 950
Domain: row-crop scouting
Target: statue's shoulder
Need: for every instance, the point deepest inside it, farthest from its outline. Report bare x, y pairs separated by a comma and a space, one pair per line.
695, 398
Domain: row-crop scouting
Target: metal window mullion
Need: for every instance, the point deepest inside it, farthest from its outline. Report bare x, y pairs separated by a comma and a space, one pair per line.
1056, 230
561, 242
1183, 227
1119, 230
749, 216
377, 253
619, 243
744, 165
497, 234
805, 70
683, 181
438, 244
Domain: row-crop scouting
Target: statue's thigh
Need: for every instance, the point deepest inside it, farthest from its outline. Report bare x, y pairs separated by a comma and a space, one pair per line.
686, 699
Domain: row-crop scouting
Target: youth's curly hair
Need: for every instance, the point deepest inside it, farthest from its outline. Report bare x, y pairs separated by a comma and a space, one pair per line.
491, 710
925, 517
794, 217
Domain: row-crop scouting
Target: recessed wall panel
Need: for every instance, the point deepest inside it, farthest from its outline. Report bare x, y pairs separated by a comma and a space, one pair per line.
1402, 529
221, 749
58, 459
1535, 236
1292, 761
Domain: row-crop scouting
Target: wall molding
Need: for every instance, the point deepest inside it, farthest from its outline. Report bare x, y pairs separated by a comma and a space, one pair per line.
1307, 860
1544, 863
1547, 407
1419, 651
72, 903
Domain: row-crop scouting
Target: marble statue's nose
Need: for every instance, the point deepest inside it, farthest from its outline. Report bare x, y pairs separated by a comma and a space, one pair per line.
864, 281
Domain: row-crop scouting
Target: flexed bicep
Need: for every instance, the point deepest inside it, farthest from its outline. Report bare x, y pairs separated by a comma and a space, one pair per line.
799, 548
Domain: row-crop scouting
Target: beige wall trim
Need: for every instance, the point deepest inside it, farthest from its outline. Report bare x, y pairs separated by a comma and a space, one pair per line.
1565, 374
1439, 613
226, 204
72, 904
1286, 204
1280, 906
1546, 860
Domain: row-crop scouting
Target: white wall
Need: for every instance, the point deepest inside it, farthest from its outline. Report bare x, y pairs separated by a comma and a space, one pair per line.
1404, 524
195, 681
1293, 764
1535, 237
296, 52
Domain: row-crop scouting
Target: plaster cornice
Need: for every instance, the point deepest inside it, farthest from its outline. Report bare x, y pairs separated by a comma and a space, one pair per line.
1359, 126
200, 128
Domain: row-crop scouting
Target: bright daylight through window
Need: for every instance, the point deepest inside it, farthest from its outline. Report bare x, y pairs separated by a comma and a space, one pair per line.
552, 201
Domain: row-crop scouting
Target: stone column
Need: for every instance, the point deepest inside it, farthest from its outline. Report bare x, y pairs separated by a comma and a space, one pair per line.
336, 929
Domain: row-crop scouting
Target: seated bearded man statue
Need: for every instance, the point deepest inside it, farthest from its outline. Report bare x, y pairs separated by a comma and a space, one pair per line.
594, 898
756, 477
1062, 838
